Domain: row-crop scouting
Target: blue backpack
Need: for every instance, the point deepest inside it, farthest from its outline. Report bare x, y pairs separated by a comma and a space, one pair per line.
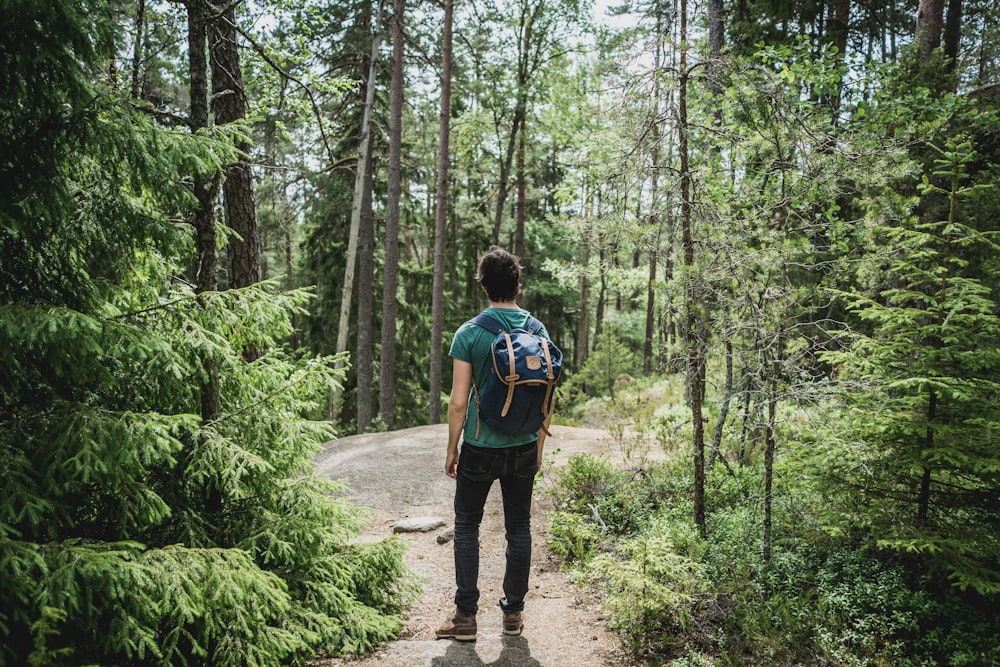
517, 397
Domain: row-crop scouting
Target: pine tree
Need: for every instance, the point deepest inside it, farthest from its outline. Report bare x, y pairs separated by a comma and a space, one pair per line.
132, 530
924, 476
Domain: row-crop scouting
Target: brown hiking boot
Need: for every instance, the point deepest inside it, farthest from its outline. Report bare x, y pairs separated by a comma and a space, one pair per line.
513, 623
460, 628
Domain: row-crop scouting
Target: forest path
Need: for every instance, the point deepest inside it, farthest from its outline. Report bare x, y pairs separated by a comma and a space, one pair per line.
400, 474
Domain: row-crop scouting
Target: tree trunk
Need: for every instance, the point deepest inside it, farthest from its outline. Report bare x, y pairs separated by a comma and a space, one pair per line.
387, 380
716, 42
727, 396
656, 218
520, 111
924, 495
930, 20
441, 218
505, 168
769, 446
364, 366
287, 227
205, 190
582, 322
647, 346
602, 295
695, 367
137, 49
953, 32
837, 30
239, 209
522, 194
360, 179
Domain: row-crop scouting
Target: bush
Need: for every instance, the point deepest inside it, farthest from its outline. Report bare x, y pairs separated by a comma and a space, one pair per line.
674, 596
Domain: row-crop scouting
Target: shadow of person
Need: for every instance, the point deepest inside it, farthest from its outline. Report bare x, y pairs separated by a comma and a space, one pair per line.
514, 653
459, 654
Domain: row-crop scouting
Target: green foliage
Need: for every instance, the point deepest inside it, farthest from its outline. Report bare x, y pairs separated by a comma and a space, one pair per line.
132, 531
924, 406
675, 596
652, 592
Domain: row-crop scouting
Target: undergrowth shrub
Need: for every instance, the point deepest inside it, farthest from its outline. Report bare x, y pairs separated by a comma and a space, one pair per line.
680, 599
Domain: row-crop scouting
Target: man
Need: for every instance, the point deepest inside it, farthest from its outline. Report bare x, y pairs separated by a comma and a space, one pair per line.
488, 455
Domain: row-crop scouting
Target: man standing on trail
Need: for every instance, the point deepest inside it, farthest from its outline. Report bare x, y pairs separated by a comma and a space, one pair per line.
488, 455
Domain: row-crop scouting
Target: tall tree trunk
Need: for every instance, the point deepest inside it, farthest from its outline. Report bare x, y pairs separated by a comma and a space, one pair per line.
656, 217
205, 190
769, 447
837, 31
924, 494
647, 345
441, 217
287, 225
137, 49
695, 367
522, 194
525, 40
387, 380
727, 396
505, 168
716, 42
364, 366
360, 178
230, 105
930, 20
953, 32
602, 294
583, 321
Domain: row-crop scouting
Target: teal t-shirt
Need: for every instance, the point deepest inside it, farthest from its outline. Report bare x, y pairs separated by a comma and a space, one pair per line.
472, 343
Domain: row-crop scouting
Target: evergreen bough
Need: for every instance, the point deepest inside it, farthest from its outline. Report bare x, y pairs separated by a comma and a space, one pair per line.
923, 472
132, 531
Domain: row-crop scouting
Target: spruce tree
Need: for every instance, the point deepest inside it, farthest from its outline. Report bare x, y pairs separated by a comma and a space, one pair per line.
924, 473
132, 530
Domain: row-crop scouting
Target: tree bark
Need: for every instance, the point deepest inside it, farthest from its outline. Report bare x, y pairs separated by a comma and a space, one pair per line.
656, 138
526, 24
347, 291
205, 190
769, 447
229, 103
390, 285
930, 20
695, 367
137, 49
953, 33
364, 366
727, 396
583, 322
716, 42
924, 494
441, 217
522, 194
505, 168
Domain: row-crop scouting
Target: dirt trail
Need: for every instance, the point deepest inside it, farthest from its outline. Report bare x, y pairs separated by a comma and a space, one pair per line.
401, 474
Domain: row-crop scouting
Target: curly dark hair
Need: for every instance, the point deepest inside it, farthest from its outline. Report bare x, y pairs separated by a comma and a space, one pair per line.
500, 273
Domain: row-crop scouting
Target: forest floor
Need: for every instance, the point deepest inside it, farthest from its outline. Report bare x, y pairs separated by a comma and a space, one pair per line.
400, 475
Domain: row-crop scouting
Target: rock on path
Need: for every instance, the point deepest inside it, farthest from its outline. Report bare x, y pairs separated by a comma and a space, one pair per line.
400, 476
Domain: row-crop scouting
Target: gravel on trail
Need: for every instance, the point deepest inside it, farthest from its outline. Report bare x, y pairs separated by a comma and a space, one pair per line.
399, 475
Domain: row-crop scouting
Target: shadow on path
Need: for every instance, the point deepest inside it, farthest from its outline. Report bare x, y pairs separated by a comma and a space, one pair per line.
514, 652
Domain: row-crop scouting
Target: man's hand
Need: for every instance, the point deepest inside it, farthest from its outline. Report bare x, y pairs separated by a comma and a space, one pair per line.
451, 463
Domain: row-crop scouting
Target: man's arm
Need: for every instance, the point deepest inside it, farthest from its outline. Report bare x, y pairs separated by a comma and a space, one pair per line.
458, 403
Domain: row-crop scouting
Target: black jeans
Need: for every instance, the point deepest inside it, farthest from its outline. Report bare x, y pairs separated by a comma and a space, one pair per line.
478, 467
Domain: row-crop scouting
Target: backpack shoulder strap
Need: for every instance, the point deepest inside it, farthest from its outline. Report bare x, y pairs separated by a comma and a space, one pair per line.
488, 323
533, 325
